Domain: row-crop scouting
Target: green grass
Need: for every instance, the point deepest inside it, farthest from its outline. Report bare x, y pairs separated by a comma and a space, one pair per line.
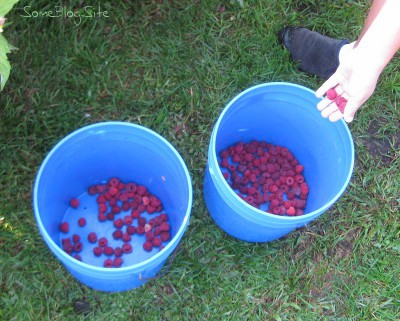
172, 66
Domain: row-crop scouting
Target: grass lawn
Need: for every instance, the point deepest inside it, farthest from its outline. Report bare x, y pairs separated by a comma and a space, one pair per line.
172, 66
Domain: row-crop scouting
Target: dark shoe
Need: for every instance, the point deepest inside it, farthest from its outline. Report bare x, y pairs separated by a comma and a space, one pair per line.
315, 53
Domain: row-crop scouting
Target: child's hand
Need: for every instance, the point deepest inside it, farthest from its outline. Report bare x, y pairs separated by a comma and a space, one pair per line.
355, 80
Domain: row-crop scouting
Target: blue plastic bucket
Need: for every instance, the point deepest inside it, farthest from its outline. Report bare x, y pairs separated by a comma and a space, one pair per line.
92, 155
282, 114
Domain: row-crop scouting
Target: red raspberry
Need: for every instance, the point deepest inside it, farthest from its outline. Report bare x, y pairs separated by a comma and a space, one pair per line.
131, 230
113, 182
291, 211
101, 188
141, 190
64, 227
117, 234
82, 222
127, 220
77, 257
68, 248
100, 199
289, 181
165, 236
224, 154
135, 214
102, 217
118, 251
148, 227
116, 209
76, 238
150, 236
304, 188
299, 179
164, 227
341, 103
150, 209
156, 242
78, 247
92, 190
142, 221
74, 202
126, 248
141, 208
102, 207
126, 237
118, 223
98, 250
108, 263
147, 246
226, 175
92, 237
113, 190
110, 216
130, 187
118, 262
140, 230
103, 242
125, 206
108, 250
331, 94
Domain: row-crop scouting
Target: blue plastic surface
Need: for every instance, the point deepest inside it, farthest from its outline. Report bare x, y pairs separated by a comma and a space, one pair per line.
282, 114
92, 155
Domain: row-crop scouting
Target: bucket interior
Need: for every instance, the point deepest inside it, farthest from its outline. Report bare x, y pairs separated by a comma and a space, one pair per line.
95, 154
286, 115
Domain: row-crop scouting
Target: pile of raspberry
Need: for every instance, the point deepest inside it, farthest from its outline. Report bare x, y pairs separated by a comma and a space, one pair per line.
265, 176
123, 204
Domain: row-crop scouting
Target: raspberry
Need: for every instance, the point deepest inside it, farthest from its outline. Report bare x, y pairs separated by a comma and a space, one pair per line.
116, 209
147, 246
130, 187
102, 217
117, 234
125, 206
98, 250
130, 230
289, 181
126, 248
113, 190
127, 220
74, 202
156, 242
78, 247
108, 263
140, 230
76, 238
92, 190
164, 227
103, 242
291, 211
77, 257
141, 190
163, 217
341, 103
118, 251
142, 221
82, 222
148, 227
108, 250
68, 247
331, 94
118, 223
304, 188
100, 199
92, 237
135, 214
102, 208
299, 179
150, 236
113, 182
126, 237
118, 262
64, 227
165, 236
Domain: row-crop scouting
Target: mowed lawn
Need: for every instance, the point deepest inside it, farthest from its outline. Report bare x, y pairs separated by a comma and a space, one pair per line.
172, 66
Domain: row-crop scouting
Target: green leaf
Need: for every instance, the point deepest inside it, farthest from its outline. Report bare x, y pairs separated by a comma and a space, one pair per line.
5, 68
6, 6
4, 46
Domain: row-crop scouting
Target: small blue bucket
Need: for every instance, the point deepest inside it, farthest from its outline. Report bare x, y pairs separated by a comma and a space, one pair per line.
282, 114
92, 155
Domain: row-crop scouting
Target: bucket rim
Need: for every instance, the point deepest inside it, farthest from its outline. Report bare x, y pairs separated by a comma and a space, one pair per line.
158, 257
212, 158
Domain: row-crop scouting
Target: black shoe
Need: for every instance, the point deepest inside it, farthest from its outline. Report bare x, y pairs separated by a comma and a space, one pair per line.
315, 53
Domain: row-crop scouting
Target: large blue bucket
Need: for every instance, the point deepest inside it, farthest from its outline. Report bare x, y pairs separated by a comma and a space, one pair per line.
282, 114
90, 156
